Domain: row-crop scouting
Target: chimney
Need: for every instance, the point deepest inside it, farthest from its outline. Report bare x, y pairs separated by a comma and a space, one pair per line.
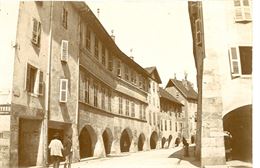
112, 35
185, 81
175, 77
131, 54
98, 11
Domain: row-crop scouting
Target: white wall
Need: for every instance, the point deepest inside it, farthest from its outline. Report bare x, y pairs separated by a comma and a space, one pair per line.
8, 20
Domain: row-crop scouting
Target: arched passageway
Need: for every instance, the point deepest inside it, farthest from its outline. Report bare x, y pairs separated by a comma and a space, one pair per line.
163, 141
107, 140
141, 141
125, 140
153, 140
239, 123
169, 140
87, 142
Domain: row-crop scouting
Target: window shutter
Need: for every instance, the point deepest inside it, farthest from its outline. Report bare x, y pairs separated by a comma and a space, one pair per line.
198, 31
64, 50
63, 90
28, 71
234, 61
36, 30
41, 84
242, 10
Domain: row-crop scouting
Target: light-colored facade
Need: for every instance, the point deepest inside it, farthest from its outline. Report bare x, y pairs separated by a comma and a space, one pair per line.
183, 91
222, 45
68, 76
170, 119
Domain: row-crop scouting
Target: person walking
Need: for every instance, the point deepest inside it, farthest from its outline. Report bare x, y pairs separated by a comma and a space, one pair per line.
186, 147
67, 152
56, 148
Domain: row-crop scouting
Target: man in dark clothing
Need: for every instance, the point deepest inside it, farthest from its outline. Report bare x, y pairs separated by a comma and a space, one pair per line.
67, 152
186, 147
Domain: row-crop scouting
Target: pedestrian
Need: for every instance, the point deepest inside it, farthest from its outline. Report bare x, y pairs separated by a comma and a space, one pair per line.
186, 147
177, 141
67, 152
56, 148
228, 147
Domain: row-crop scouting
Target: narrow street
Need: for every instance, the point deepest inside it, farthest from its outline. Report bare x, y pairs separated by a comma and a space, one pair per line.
166, 158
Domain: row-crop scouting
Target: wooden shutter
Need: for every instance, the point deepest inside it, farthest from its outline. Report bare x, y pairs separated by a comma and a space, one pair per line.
64, 50
36, 30
63, 90
242, 10
28, 72
41, 84
234, 61
198, 31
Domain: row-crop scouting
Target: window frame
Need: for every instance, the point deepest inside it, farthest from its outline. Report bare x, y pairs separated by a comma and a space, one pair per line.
66, 81
243, 9
36, 32
64, 51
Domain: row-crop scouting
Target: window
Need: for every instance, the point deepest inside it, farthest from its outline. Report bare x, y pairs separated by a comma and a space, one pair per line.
96, 48
64, 18
150, 117
132, 76
140, 81
95, 95
103, 91
36, 32
86, 90
176, 127
198, 32
154, 119
140, 111
126, 73
34, 80
170, 125
118, 72
109, 101
88, 41
153, 87
103, 57
110, 63
165, 125
241, 60
144, 113
64, 50
63, 90
120, 109
127, 107
132, 109
242, 10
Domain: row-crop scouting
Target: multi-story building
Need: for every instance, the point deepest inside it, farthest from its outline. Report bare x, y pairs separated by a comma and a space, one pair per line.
153, 109
171, 122
67, 75
222, 46
184, 92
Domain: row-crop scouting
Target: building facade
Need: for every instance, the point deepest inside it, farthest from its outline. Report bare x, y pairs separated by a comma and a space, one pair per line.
183, 91
222, 46
170, 119
67, 76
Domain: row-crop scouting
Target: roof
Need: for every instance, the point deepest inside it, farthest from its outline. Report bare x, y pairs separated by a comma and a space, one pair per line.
166, 95
188, 92
87, 13
152, 70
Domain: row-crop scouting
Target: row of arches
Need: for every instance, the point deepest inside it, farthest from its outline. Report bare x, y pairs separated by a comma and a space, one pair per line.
166, 141
88, 140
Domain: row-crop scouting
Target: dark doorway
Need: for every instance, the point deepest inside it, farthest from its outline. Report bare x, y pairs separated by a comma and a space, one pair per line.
29, 141
239, 123
141, 140
163, 141
107, 140
87, 142
153, 140
125, 140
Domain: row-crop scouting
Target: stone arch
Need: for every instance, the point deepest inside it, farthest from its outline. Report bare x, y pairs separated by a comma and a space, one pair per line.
125, 140
87, 141
141, 141
153, 140
163, 141
169, 140
177, 141
239, 123
107, 137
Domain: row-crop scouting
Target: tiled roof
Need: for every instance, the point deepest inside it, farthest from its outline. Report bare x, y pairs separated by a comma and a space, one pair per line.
188, 92
151, 70
168, 96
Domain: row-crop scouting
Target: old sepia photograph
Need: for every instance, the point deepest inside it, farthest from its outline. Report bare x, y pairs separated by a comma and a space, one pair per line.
127, 84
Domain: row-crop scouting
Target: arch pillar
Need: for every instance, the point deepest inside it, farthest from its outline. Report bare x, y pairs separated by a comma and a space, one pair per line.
99, 150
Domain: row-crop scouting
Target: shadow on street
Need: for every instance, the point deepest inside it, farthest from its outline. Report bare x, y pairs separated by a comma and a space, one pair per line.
191, 158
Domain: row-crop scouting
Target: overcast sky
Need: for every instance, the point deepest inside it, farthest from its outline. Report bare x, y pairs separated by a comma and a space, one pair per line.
158, 32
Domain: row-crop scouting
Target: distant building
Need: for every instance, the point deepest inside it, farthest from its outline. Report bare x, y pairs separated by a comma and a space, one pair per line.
170, 119
183, 91
222, 47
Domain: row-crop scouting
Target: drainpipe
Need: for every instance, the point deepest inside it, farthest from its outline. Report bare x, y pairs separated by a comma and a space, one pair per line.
47, 90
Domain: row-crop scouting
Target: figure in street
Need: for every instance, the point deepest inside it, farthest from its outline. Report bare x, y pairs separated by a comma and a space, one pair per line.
56, 148
67, 152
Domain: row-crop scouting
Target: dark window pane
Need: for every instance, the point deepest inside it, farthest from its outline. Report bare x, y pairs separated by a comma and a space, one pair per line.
246, 60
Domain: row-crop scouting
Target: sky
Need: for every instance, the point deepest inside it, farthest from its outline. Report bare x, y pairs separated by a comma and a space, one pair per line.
158, 32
